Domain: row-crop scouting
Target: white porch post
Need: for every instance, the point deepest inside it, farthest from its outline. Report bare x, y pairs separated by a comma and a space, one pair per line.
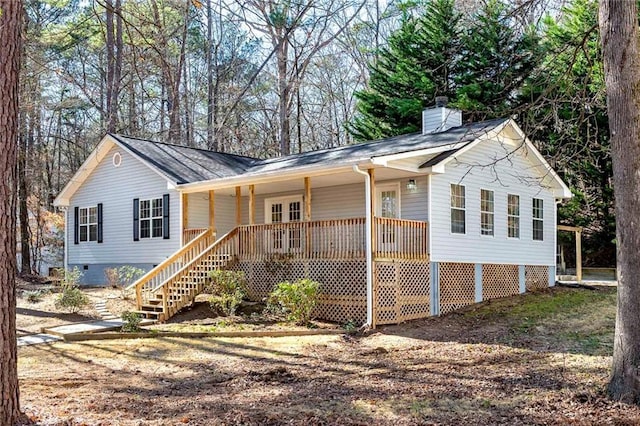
369, 245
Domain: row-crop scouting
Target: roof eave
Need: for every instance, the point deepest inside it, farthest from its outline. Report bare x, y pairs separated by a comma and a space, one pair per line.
272, 176
565, 192
97, 155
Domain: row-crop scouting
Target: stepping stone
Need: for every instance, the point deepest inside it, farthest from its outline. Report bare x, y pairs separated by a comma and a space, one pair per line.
35, 339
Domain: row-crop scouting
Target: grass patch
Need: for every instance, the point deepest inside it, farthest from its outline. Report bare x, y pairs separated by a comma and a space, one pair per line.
573, 319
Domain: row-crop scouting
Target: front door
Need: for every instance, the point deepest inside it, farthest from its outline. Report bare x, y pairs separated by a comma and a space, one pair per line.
387, 206
285, 210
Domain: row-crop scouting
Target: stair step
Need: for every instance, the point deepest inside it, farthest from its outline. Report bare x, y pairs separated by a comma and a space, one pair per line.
152, 308
149, 314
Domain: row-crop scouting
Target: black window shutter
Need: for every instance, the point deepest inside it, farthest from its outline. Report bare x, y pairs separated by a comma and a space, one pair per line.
99, 222
165, 216
76, 225
136, 219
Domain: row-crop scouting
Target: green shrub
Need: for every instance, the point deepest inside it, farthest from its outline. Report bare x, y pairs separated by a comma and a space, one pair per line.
32, 296
132, 322
71, 299
297, 299
350, 326
227, 288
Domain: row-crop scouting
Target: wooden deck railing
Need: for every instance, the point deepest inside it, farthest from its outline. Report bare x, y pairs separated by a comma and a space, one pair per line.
190, 233
401, 239
335, 239
167, 268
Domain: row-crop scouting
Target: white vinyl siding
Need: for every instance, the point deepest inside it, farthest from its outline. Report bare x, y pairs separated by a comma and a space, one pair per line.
487, 223
331, 202
513, 176
116, 187
513, 216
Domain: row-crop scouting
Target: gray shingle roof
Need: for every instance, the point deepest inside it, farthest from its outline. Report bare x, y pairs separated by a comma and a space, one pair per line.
186, 165
183, 164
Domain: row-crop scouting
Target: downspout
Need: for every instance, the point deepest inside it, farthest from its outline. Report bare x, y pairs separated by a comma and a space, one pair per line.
65, 260
369, 250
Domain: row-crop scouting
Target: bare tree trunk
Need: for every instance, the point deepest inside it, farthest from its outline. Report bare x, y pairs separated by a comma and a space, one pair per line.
133, 118
10, 34
212, 143
117, 70
111, 65
23, 193
284, 90
619, 35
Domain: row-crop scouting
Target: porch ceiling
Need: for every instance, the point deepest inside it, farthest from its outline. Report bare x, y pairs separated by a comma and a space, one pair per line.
321, 181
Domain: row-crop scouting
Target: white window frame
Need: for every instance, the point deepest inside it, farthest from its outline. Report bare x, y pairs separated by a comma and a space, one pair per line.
88, 224
151, 218
283, 239
513, 216
269, 202
383, 187
536, 219
452, 208
489, 214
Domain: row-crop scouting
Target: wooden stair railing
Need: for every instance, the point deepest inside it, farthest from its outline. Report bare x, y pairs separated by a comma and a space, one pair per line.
168, 267
180, 289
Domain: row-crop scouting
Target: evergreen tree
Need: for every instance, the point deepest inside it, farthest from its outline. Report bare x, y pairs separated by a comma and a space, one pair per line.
410, 72
567, 119
496, 59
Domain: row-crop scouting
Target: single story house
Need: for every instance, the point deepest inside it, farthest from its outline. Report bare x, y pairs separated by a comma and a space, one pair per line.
394, 229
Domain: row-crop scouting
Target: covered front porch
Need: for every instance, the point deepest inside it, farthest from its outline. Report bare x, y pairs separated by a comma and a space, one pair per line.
360, 235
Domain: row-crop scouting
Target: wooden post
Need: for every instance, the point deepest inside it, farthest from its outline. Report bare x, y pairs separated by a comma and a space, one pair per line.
578, 234
252, 205
212, 211
238, 206
185, 215
579, 255
307, 217
307, 199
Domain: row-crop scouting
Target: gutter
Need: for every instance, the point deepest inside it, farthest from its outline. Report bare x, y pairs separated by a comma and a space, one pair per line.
368, 238
268, 176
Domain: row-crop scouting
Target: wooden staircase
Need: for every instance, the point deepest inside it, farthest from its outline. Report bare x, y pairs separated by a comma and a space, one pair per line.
175, 283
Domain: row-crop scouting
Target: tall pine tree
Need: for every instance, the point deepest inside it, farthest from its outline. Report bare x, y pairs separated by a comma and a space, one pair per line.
567, 119
410, 72
496, 58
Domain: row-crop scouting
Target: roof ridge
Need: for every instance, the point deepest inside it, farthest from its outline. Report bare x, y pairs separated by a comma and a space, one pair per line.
116, 135
381, 140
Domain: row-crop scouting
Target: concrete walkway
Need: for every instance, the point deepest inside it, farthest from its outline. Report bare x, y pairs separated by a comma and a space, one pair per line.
37, 339
109, 322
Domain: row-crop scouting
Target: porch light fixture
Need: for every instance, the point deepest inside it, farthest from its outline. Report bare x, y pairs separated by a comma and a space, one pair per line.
411, 185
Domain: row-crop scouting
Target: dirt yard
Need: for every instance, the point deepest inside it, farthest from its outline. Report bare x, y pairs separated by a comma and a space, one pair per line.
535, 359
32, 316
